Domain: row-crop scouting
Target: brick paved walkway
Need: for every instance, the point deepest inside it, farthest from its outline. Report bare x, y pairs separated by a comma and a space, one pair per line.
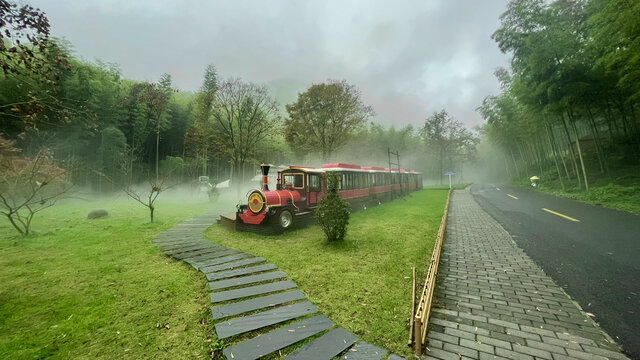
493, 302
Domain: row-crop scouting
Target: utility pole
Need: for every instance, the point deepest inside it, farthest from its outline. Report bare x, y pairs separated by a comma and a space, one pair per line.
397, 163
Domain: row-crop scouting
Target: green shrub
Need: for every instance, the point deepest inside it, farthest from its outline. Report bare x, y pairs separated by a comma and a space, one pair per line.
333, 212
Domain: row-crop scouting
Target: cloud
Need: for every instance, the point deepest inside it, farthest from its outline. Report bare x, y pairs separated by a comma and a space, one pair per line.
410, 58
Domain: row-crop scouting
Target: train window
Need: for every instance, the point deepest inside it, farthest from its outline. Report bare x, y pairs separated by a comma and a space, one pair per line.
294, 180
314, 182
343, 182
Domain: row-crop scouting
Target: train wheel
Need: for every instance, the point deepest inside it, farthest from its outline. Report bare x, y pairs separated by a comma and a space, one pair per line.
285, 219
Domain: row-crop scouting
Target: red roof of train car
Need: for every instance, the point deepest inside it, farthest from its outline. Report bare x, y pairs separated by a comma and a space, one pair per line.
341, 165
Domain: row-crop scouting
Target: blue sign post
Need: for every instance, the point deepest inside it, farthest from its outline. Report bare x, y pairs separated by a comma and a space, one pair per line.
449, 173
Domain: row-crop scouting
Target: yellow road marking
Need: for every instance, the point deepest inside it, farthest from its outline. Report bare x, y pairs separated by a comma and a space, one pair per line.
561, 215
498, 189
511, 196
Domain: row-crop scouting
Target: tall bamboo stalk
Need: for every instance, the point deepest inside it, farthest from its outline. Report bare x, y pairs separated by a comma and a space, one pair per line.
575, 131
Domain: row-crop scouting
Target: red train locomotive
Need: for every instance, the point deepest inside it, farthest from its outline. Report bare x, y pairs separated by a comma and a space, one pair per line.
300, 188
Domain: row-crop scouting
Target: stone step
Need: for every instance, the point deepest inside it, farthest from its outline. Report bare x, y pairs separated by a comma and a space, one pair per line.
219, 312
364, 351
198, 261
173, 246
246, 280
213, 255
237, 272
325, 347
252, 291
277, 339
232, 265
218, 261
245, 324
205, 251
202, 246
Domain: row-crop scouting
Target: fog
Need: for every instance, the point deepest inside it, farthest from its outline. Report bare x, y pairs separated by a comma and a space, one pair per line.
409, 58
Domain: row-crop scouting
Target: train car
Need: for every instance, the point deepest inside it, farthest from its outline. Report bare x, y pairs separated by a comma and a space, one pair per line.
299, 189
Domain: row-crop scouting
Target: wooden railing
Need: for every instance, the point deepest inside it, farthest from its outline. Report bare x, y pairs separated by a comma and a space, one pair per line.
421, 318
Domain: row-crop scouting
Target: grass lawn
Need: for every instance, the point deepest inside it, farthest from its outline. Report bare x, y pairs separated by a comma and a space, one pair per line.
620, 191
613, 196
81, 289
364, 283
445, 187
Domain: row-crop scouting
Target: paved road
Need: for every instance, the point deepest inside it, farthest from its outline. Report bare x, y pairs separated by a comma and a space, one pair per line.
592, 252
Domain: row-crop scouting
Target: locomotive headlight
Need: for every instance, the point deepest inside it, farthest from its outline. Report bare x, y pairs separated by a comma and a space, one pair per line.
256, 202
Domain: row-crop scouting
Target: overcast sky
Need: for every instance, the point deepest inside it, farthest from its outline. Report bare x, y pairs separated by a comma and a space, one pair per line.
409, 58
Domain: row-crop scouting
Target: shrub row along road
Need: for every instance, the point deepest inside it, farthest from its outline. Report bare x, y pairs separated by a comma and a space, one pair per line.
591, 251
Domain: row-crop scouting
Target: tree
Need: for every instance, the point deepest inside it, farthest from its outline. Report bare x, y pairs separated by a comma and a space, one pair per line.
447, 141
112, 151
333, 211
199, 136
32, 67
149, 194
614, 27
161, 99
324, 117
146, 194
24, 31
244, 116
570, 99
28, 185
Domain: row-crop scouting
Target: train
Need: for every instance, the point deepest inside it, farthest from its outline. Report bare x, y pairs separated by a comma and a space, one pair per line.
300, 188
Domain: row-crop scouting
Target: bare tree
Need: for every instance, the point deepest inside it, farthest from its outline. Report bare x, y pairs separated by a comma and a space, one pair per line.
149, 195
244, 115
28, 185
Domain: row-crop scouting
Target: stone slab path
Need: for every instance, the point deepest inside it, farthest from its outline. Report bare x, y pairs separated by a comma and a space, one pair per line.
493, 302
255, 308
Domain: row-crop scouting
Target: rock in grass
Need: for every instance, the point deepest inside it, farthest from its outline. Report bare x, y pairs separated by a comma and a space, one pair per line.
98, 213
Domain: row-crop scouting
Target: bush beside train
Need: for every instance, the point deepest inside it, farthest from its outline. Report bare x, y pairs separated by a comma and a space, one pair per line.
299, 189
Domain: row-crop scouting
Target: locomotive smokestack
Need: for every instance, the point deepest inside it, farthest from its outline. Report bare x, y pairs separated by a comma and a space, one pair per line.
265, 173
